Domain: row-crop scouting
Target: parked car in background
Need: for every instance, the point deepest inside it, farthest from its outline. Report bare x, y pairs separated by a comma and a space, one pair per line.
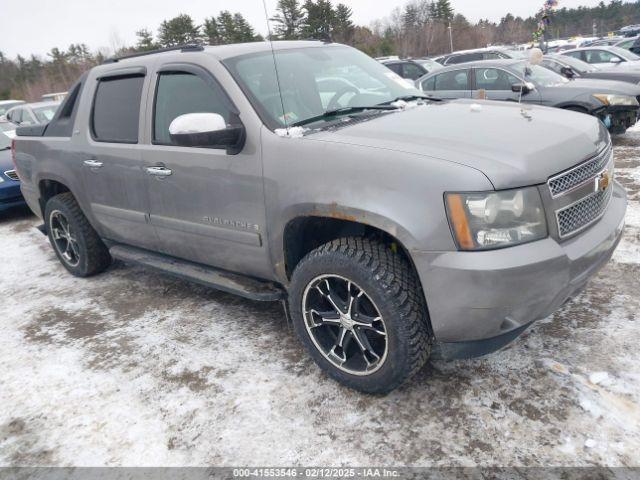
615, 103
605, 42
570, 67
428, 64
10, 195
626, 43
408, 69
6, 105
54, 97
493, 53
600, 56
33, 113
390, 224
630, 30
8, 128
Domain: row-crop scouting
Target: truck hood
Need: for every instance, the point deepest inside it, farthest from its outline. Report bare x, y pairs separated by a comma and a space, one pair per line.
511, 148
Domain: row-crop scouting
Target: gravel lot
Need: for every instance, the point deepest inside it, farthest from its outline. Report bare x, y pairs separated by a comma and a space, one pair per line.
136, 369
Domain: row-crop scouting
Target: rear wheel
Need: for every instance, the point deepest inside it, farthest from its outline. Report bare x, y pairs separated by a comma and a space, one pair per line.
76, 243
358, 308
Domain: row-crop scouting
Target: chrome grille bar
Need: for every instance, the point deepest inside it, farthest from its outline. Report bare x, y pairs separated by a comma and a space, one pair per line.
575, 177
12, 175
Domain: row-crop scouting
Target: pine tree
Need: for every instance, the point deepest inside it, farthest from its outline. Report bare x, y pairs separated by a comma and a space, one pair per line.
320, 19
343, 27
289, 20
178, 31
212, 32
444, 10
410, 18
243, 30
145, 41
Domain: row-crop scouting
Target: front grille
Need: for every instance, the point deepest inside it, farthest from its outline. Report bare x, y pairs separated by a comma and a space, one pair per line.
580, 215
12, 175
570, 179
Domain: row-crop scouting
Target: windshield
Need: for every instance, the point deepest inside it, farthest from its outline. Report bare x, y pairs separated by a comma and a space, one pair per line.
578, 65
5, 142
45, 114
626, 54
516, 54
314, 80
539, 76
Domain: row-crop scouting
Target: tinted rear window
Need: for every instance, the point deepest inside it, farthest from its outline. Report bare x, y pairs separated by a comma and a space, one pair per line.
116, 109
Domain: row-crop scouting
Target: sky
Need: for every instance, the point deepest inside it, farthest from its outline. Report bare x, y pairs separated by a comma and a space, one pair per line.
35, 26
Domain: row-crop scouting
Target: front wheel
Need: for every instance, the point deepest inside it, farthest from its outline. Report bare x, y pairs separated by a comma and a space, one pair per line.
358, 308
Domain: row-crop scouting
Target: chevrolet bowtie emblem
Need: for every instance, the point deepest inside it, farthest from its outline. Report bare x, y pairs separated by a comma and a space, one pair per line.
602, 182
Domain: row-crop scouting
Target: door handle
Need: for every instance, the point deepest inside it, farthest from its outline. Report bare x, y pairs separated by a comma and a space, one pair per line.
93, 164
159, 171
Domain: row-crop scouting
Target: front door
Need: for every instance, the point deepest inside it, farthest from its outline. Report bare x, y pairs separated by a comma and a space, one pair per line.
206, 204
497, 84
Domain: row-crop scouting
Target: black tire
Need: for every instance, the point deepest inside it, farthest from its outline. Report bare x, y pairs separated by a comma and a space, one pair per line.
389, 281
90, 255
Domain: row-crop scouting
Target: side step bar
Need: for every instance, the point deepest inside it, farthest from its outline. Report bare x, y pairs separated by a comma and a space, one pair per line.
246, 287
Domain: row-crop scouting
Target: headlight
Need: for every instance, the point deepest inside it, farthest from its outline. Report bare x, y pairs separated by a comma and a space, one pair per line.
617, 100
490, 220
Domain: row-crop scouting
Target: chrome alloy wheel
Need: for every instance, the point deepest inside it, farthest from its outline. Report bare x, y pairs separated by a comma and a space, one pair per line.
64, 238
345, 325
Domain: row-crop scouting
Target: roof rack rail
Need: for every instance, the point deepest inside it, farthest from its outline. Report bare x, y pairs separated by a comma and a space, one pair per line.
192, 47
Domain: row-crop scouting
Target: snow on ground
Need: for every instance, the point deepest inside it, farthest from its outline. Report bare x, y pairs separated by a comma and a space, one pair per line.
133, 368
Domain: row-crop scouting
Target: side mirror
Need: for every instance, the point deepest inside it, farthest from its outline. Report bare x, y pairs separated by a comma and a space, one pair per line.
523, 88
568, 72
207, 130
615, 60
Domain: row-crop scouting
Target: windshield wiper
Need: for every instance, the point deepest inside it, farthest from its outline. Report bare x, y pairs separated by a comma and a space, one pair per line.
340, 111
408, 98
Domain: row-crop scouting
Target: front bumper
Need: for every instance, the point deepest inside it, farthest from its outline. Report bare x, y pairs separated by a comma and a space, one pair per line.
479, 301
619, 118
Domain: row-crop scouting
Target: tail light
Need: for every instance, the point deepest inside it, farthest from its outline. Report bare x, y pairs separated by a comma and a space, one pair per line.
13, 153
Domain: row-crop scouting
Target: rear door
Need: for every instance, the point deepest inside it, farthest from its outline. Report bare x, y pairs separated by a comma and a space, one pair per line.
453, 84
114, 182
208, 206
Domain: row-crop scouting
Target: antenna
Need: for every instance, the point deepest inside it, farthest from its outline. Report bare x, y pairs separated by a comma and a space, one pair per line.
275, 65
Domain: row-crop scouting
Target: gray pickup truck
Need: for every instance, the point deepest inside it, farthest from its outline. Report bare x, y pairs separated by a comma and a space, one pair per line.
388, 224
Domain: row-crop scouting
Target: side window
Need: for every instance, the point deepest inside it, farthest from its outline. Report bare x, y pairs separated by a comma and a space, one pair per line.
577, 55
179, 93
116, 109
456, 80
492, 56
429, 84
599, 56
16, 115
396, 67
412, 71
494, 79
552, 65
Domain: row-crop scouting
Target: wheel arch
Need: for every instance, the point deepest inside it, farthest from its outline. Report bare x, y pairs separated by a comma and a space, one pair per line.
49, 188
306, 232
